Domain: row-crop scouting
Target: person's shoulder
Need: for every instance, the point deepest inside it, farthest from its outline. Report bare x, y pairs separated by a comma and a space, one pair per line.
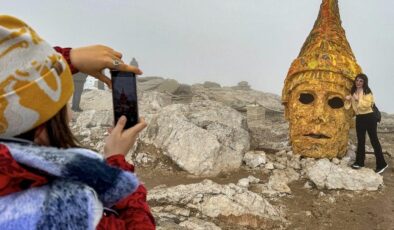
368, 96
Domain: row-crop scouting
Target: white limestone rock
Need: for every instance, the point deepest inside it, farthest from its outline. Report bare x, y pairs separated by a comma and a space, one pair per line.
335, 161
269, 166
152, 102
203, 138
212, 199
254, 159
280, 179
244, 182
325, 174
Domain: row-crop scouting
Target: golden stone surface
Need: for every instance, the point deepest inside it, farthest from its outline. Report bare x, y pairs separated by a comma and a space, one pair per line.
315, 88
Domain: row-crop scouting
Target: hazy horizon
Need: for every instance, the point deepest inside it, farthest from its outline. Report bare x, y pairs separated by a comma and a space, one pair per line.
224, 41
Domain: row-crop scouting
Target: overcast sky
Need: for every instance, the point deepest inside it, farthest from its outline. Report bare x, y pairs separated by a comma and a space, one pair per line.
224, 41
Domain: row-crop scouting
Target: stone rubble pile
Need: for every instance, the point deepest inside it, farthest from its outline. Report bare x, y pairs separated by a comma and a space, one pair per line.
284, 168
209, 200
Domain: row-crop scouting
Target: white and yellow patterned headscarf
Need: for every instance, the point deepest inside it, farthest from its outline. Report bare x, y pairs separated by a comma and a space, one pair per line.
35, 81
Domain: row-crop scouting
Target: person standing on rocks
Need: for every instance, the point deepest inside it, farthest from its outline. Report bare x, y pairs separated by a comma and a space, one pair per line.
46, 180
362, 101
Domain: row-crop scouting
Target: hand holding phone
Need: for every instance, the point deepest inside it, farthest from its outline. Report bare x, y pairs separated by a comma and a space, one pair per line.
120, 141
124, 97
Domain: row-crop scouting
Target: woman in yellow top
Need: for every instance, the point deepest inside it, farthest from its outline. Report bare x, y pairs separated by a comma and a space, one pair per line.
361, 100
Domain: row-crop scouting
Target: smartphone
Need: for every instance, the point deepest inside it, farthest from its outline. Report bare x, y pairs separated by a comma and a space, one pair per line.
124, 96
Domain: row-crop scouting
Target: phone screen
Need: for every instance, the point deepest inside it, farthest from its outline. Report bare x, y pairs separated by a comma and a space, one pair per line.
124, 95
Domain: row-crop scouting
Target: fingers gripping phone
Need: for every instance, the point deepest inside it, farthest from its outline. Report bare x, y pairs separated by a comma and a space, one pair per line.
124, 96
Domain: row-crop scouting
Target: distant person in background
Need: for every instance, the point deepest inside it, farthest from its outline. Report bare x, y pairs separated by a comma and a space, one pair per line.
46, 180
79, 81
361, 100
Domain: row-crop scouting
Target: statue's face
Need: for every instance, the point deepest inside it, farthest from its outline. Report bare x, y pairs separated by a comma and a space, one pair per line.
319, 123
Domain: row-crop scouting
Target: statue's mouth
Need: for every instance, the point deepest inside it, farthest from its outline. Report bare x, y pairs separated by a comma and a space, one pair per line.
317, 136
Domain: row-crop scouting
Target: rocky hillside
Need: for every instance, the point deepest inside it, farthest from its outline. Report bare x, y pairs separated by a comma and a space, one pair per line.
218, 157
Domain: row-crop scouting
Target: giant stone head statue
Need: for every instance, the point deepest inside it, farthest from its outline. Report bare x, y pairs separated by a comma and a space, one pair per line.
316, 86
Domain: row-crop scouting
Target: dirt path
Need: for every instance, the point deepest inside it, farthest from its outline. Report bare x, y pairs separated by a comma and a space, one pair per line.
310, 208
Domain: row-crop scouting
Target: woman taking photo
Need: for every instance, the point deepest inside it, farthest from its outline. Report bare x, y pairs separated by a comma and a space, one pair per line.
361, 100
46, 180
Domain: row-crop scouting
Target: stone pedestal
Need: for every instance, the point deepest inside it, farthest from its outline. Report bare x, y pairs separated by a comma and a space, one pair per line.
79, 81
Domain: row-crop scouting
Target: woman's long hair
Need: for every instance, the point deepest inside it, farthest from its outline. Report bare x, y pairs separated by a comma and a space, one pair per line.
59, 133
366, 88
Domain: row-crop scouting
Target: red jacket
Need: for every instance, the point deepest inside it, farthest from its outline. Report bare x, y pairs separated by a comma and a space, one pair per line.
65, 52
133, 210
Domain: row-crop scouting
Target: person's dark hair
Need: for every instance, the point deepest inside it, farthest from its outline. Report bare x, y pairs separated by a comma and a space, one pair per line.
366, 88
59, 132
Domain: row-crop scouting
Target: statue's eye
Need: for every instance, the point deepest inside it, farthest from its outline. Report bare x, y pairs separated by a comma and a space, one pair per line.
306, 98
335, 103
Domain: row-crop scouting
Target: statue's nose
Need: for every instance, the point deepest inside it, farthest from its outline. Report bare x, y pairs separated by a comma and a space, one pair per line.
320, 114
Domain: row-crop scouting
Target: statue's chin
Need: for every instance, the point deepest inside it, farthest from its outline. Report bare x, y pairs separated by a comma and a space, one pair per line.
316, 150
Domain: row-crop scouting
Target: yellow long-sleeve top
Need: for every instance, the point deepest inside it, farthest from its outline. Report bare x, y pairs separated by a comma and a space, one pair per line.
363, 105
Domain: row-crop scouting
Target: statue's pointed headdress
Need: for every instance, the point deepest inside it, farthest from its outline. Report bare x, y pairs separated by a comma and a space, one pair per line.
325, 49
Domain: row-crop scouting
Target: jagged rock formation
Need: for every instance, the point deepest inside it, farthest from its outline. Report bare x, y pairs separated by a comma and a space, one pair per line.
203, 138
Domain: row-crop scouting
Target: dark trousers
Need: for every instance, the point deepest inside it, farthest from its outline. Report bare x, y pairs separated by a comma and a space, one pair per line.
367, 123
